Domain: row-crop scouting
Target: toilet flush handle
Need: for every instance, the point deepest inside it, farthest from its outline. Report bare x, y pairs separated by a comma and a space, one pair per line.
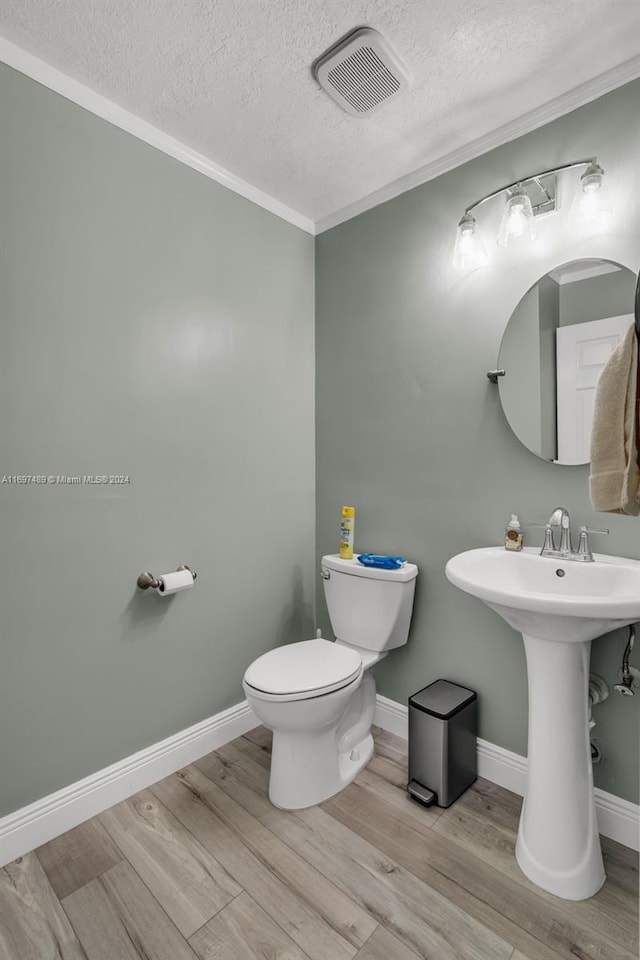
325, 574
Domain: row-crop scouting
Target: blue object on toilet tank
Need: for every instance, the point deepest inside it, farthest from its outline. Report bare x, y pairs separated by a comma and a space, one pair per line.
383, 563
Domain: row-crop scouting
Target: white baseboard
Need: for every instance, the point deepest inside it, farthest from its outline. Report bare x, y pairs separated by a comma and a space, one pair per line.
31, 826
392, 716
617, 818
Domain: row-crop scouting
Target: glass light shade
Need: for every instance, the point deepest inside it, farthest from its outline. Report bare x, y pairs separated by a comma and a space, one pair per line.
516, 225
591, 206
469, 250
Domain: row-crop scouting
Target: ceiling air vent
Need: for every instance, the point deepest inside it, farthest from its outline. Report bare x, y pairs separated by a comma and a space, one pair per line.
361, 72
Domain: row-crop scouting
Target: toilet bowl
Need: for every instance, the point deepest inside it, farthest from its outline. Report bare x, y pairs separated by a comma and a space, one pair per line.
318, 697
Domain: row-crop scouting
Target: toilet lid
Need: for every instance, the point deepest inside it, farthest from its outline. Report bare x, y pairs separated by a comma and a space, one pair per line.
310, 666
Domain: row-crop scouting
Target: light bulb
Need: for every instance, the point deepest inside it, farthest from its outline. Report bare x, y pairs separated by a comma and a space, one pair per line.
469, 250
591, 206
517, 219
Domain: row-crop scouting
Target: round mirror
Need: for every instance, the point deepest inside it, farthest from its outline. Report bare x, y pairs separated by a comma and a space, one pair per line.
556, 342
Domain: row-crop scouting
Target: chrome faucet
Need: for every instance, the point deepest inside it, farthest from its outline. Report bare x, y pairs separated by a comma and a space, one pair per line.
560, 520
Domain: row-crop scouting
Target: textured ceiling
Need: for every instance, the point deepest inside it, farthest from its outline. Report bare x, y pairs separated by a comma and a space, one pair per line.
231, 78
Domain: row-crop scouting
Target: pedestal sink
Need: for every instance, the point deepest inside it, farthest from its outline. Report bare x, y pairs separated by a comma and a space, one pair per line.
559, 606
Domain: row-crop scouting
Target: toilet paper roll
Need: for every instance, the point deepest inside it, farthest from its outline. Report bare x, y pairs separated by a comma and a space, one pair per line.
174, 582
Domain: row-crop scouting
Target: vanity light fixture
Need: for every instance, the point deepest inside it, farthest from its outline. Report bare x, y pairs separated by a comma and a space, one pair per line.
591, 201
517, 219
469, 251
527, 199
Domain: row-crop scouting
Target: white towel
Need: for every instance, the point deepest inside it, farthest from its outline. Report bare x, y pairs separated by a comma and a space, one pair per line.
614, 484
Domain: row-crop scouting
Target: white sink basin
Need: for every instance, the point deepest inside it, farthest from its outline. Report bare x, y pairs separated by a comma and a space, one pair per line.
559, 606
564, 600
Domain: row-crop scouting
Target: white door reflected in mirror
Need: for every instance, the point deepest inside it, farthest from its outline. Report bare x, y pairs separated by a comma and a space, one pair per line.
582, 351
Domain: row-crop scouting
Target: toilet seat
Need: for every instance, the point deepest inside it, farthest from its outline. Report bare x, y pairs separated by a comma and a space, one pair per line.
299, 671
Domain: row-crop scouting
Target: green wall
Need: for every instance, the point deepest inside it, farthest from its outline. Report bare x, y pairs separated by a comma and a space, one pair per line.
411, 432
607, 295
156, 325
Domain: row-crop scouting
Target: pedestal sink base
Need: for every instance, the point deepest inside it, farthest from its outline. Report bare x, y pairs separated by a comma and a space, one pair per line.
583, 883
558, 846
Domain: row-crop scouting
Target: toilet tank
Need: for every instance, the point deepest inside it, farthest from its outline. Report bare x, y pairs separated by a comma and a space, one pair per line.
368, 607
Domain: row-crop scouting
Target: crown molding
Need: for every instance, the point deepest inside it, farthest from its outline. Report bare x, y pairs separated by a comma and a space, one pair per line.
14, 56
552, 110
31, 66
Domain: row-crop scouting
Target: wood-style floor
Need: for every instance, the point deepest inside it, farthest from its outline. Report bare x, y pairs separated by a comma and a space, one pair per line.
202, 866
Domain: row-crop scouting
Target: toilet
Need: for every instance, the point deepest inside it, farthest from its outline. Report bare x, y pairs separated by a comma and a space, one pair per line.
318, 696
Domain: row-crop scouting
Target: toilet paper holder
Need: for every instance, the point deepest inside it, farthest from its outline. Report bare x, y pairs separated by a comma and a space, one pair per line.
146, 580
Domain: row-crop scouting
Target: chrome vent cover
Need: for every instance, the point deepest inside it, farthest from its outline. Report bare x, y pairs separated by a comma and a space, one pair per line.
361, 72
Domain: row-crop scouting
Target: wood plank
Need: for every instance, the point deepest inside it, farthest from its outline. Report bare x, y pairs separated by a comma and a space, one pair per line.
186, 880
420, 918
267, 877
421, 818
78, 856
432, 856
621, 864
423, 919
389, 770
492, 803
368, 875
382, 945
519, 955
243, 931
412, 908
392, 747
251, 792
254, 750
491, 917
116, 918
98, 925
33, 925
608, 913
261, 736
353, 923
497, 804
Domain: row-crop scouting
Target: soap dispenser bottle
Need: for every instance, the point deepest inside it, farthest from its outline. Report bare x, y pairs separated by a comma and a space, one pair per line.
513, 536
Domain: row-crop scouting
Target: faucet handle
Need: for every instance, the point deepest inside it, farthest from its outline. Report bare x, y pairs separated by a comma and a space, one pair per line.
548, 534
584, 548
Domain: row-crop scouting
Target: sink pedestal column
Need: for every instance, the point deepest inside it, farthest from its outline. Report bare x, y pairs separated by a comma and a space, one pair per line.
558, 846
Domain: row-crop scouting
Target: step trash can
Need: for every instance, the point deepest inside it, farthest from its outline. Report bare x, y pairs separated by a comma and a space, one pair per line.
442, 742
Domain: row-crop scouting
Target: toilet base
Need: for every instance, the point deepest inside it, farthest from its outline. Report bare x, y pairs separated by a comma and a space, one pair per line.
320, 772
319, 743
